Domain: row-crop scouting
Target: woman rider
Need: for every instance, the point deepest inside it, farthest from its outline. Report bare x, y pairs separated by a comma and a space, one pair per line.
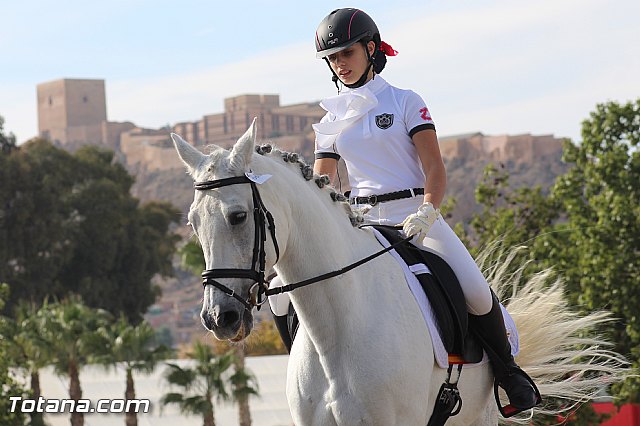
387, 138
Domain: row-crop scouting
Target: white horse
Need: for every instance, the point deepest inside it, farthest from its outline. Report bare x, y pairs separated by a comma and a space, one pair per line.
363, 354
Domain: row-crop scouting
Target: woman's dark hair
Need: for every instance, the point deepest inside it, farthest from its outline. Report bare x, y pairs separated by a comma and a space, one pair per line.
379, 57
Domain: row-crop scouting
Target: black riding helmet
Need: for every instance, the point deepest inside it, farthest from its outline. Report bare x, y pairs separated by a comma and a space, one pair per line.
343, 28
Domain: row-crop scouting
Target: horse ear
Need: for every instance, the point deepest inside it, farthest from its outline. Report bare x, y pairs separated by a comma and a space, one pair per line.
243, 149
190, 156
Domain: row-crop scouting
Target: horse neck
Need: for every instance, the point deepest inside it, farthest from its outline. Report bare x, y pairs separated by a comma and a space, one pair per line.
321, 239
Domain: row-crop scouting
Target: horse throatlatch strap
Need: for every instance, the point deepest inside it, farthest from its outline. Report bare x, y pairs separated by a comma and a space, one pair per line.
448, 402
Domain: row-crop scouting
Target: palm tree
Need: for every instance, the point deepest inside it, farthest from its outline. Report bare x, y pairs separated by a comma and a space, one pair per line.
243, 385
133, 346
68, 328
9, 359
33, 349
201, 383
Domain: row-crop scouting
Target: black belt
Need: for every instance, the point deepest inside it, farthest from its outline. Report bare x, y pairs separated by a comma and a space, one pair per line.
398, 195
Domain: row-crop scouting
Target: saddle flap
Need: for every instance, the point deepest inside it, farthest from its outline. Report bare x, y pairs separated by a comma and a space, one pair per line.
443, 290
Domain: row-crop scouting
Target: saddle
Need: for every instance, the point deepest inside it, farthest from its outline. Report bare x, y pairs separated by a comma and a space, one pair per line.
445, 295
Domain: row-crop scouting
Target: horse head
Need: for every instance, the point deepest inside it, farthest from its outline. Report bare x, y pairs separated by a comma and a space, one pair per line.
222, 217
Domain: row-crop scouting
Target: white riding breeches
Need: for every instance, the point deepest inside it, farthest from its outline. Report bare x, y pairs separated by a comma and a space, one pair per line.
279, 302
440, 240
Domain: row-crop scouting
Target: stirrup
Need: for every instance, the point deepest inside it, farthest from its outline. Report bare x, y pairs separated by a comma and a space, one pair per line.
509, 410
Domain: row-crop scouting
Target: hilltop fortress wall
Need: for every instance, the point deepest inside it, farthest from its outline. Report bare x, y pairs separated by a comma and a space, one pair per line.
72, 113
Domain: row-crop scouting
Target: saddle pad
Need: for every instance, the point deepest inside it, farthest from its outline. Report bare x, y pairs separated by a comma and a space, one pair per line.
441, 355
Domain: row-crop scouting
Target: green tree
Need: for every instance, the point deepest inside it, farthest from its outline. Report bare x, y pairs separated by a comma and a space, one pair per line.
201, 384
513, 217
192, 257
134, 347
120, 245
517, 214
7, 141
69, 224
510, 218
33, 350
9, 387
35, 224
601, 198
587, 228
69, 327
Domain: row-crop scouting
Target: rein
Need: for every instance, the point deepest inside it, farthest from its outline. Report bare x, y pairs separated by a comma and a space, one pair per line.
261, 216
290, 287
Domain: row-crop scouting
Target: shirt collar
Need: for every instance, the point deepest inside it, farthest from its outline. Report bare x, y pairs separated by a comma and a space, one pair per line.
376, 85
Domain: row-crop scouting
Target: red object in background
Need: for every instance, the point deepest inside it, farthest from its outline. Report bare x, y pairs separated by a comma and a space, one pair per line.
629, 414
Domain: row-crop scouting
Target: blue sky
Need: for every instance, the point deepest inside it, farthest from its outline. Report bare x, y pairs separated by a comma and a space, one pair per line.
495, 66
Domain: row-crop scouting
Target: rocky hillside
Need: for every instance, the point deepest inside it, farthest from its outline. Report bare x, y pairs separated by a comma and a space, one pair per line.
530, 160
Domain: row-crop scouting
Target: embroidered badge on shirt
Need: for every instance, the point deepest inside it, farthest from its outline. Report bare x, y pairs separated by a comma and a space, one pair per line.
384, 121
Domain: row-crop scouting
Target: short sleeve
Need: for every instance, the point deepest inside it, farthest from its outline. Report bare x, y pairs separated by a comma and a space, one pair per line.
331, 151
416, 114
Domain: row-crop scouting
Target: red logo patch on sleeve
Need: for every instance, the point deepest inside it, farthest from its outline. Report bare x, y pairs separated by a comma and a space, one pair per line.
425, 114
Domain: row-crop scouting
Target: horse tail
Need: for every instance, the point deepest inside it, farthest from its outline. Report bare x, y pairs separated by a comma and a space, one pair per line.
559, 348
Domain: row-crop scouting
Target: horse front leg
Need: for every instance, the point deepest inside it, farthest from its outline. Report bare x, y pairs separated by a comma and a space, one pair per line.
306, 386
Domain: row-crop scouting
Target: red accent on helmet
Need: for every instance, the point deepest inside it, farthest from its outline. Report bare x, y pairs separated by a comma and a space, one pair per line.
388, 50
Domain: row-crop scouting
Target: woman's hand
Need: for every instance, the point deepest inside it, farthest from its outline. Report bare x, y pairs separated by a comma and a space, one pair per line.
420, 222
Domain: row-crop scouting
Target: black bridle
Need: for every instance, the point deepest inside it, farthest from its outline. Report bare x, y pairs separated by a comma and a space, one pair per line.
261, 217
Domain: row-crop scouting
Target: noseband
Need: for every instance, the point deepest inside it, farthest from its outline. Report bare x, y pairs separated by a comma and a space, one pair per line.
261, 216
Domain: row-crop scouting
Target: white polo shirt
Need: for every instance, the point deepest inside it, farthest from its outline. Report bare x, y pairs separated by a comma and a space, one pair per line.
377, 147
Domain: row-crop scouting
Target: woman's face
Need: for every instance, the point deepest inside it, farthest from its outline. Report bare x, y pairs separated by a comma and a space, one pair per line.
349, 64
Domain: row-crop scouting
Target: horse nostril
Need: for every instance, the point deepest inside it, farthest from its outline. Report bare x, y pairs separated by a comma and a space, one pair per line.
207, 321
227, 318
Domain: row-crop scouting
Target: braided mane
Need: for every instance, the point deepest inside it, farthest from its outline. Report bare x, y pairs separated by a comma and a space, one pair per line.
322, 181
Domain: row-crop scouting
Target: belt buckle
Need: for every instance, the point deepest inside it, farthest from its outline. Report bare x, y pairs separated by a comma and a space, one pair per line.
372, 199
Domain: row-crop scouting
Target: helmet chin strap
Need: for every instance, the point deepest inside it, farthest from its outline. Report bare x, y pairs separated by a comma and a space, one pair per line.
361, 81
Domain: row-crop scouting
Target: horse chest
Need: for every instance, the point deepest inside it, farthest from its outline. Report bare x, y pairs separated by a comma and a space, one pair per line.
345, 389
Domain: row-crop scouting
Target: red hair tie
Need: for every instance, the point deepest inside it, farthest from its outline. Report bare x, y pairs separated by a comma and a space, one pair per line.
388, 50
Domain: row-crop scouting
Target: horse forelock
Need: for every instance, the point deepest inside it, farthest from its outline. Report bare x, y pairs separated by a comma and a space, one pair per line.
214, 166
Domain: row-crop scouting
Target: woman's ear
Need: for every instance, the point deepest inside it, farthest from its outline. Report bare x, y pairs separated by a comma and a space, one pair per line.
372, 47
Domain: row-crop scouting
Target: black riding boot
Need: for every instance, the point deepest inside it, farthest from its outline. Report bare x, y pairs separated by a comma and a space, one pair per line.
491, 332
282, 324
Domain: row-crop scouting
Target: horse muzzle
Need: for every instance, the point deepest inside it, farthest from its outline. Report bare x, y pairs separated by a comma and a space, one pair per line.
228, 323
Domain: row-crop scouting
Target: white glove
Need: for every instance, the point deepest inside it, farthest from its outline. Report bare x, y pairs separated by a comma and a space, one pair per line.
419, 223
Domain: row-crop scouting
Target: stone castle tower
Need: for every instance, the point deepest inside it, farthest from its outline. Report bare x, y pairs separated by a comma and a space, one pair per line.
72, 111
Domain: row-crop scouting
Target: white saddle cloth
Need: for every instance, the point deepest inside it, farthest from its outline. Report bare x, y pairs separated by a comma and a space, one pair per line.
441, 355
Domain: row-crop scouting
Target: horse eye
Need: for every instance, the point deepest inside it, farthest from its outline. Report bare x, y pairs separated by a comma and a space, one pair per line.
237, 218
